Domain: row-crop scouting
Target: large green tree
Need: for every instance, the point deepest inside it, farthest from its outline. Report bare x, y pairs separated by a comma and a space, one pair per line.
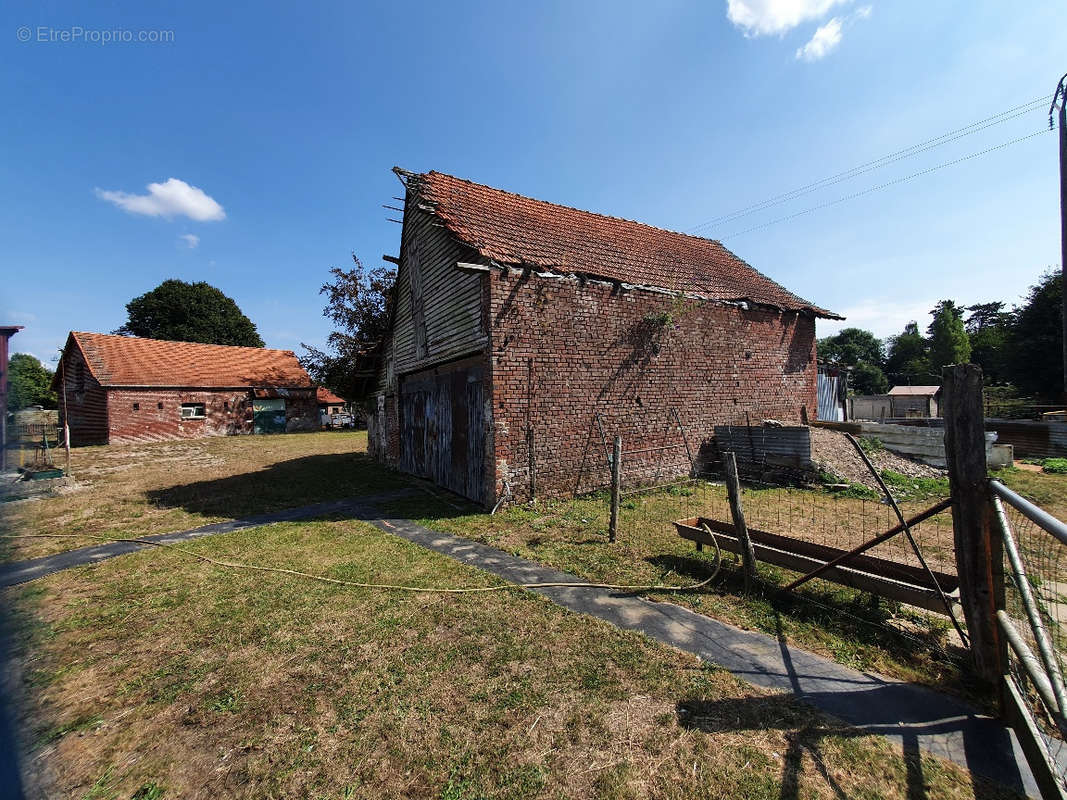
949, 343
1035, 361
861, 353
359, 302
907, 357
29, 383
850, 347
189, 312
989, 329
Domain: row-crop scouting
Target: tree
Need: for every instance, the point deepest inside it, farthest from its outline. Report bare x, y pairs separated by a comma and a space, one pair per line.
189, 312
949, 343
29, 383
850, 347
907, 357
989, 329
358, 303
867, 379
1035, 362
860, 351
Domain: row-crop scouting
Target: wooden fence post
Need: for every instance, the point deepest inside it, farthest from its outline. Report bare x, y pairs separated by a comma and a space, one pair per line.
616, 487
979, 554
733, 489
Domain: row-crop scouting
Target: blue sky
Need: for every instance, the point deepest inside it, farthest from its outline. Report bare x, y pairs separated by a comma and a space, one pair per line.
288, 117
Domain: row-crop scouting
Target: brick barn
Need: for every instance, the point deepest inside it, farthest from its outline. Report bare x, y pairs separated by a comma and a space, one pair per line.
126, 389
526, 335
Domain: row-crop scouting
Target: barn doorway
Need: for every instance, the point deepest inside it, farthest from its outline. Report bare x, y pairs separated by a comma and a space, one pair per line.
443, 426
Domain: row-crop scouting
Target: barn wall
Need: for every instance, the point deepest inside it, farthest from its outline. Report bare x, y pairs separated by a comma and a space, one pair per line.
86, 401
438, 308
158, 415
562, 350
301, 411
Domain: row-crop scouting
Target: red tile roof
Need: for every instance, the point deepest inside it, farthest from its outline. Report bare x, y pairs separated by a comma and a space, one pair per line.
325, 397
131, 361
516, 230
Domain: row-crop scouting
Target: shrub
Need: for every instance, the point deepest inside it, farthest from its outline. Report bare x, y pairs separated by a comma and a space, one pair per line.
1056, 466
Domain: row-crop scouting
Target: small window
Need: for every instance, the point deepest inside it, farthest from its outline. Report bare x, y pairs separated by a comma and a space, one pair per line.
159, 406
193, 411
136, 406
225, 405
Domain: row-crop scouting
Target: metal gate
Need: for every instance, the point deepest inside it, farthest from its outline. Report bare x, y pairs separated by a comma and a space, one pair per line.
443, 424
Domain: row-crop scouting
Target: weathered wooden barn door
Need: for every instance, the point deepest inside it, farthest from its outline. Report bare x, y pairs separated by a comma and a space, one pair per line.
443, 427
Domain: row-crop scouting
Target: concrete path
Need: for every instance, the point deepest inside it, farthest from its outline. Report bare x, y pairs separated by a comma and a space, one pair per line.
21, 571
912, 716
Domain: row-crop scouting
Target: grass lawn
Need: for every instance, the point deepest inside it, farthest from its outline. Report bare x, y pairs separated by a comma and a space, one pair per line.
851, 627
156, 675
134, 490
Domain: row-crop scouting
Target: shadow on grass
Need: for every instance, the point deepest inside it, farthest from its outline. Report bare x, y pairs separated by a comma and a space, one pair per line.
805, 738
848, 615
284, 485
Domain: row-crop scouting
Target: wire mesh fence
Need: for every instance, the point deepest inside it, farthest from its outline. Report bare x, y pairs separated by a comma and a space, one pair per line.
807, 515
1035, 602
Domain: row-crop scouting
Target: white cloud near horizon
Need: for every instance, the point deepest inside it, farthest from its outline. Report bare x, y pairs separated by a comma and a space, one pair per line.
776, 17
882, 318
172, 198
191, 240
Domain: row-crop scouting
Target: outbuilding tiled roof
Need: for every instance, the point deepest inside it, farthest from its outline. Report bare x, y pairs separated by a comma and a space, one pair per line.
131, 361
914, 391
325, 397
515, 230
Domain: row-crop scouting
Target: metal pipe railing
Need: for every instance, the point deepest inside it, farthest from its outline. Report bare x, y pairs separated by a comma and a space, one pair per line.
1038, 516
1032, 666
1030, 604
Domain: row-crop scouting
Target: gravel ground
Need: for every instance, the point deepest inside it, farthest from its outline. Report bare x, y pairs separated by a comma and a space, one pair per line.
832, 452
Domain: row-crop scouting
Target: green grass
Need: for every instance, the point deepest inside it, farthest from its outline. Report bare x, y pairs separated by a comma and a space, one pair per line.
234, 683
849, 626
136, 490
1055, 466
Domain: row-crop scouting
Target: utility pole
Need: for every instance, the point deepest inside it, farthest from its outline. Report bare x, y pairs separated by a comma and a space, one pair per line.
1061, 96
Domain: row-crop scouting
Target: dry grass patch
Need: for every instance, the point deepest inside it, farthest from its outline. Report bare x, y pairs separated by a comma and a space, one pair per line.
159, 674
135, 490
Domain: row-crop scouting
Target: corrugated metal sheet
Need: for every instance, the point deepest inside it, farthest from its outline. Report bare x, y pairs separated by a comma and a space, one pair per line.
786, 446
829, 407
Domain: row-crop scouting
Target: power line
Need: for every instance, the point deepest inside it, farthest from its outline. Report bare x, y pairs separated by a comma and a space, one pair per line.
899, 155
887, 184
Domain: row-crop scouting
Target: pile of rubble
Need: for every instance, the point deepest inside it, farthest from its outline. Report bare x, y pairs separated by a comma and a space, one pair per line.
833, 453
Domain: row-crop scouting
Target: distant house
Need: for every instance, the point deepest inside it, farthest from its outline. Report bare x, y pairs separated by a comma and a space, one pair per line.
329, 403
124, 389
527, 335
915, 401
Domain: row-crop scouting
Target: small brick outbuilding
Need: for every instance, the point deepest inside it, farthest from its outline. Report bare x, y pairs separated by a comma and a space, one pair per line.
526, 335
117, 389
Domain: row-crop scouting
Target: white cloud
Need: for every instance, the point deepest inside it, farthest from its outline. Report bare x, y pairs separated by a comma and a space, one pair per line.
172, 198
825, 39
190, 239
768, 17
881, 317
